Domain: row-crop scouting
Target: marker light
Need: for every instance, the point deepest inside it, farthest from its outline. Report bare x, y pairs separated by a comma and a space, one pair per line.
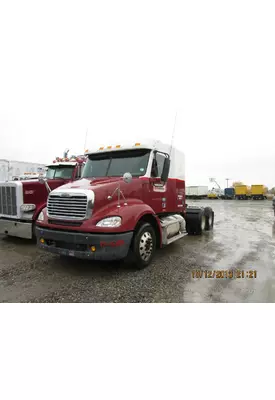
42, 240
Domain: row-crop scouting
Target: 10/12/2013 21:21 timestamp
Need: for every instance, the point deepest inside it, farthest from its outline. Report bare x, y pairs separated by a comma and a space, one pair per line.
224, 273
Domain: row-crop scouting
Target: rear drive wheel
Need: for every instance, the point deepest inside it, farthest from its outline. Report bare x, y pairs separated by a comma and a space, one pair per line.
144, 245
209, 218
195, 222
203, 223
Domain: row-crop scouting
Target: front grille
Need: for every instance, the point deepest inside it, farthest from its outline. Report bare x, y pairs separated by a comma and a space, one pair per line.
72, 207
8, 200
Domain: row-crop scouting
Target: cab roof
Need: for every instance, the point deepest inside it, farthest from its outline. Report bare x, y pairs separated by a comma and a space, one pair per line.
150, 144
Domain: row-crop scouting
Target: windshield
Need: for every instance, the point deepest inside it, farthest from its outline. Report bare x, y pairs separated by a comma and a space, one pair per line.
59, 172
116, 163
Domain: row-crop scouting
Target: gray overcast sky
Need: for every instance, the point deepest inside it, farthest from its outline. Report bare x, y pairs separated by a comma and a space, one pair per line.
122, 68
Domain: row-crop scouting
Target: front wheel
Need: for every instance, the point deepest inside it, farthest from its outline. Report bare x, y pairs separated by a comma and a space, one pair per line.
144, 245
33, 231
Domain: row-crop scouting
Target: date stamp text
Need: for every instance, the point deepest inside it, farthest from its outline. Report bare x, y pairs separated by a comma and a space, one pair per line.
224, 273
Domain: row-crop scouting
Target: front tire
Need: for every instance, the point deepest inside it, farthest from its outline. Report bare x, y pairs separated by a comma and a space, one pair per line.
34, 232
144, 245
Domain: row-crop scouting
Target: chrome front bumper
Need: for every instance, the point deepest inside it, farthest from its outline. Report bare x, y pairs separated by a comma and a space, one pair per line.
15, 228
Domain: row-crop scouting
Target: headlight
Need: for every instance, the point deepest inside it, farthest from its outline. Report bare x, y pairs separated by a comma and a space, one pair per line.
110, 222
40, 216
27, 207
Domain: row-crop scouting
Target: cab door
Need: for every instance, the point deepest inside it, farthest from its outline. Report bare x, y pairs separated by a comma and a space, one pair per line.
157, 190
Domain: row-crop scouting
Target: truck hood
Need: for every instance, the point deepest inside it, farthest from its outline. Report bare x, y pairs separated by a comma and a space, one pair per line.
35, 192
34, 184
91, 184
105, 187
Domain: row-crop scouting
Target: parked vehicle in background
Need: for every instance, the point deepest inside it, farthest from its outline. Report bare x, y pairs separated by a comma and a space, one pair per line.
229, 193
258, 192
130, 200
196, 192
10, 169
22, 200
215, 193
241, 192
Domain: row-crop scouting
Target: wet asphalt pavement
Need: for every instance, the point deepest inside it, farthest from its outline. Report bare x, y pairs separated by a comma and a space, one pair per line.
243, 240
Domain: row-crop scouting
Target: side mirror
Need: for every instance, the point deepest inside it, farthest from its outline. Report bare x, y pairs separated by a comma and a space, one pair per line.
127, 177
44, 181
165, 171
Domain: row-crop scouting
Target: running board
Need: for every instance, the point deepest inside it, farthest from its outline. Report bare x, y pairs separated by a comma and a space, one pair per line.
177, 237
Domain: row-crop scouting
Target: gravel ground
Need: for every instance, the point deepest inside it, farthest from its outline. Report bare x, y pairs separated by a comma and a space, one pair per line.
243, 238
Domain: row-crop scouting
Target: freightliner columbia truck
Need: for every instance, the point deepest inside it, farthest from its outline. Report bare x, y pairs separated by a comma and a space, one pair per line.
130, 201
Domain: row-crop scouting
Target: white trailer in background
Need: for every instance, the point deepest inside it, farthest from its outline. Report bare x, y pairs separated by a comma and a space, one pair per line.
10, 169
196, 192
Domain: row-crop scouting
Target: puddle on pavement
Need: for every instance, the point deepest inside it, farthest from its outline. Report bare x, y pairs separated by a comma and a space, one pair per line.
243, 239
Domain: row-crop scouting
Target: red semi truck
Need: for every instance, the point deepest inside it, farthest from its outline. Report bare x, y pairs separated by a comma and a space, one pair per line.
130, 200
21, 201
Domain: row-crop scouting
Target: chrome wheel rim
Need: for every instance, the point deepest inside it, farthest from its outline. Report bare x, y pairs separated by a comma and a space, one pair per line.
203, 223
210, 220
146, 246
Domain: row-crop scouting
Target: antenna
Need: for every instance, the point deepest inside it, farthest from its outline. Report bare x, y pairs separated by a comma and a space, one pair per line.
85, 142
173, 133
65, 154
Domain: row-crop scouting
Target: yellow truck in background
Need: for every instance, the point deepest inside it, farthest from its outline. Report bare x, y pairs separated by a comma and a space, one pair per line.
258, 192
242, 192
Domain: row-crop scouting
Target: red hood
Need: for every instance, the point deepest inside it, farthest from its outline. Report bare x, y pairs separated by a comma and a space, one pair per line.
91, 184
105, 187
35, 192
